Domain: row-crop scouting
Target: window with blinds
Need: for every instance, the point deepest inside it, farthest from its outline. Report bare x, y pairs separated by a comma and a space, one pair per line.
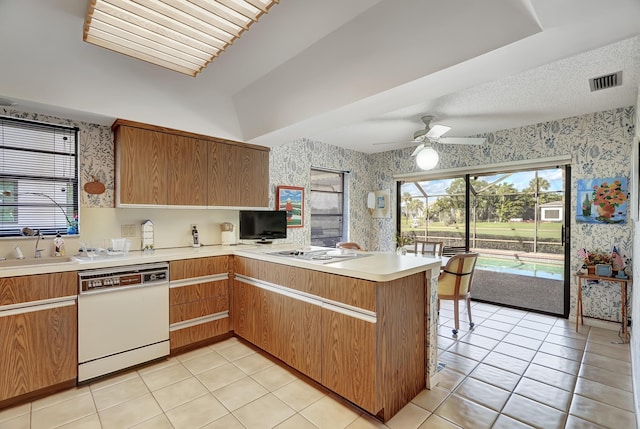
327, 208
38, 178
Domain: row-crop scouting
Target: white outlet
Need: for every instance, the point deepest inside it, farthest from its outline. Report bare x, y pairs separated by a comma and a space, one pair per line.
128, 230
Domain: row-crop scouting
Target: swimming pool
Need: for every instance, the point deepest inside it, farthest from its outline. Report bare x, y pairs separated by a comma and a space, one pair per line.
516, 266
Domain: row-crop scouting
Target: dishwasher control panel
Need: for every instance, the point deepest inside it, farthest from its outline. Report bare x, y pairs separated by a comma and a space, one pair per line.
132, 275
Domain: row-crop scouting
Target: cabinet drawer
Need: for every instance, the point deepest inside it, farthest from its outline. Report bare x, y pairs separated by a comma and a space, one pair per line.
198, 267
191, 293
15, 290
193, 310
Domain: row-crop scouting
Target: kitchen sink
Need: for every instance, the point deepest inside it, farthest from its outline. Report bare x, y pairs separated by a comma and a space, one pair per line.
35, 262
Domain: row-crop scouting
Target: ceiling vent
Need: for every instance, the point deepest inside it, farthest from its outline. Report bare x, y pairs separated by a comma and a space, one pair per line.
607, 81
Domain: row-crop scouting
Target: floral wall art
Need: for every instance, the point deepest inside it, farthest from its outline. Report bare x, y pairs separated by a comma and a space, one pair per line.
602, 201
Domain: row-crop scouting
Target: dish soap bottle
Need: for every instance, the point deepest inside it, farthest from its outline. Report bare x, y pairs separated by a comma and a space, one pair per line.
196, 238
58, 245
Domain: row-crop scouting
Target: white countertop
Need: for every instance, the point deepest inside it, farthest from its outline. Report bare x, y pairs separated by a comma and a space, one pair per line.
375, 266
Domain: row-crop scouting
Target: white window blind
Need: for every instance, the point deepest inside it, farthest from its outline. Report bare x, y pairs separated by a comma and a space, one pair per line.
38, 177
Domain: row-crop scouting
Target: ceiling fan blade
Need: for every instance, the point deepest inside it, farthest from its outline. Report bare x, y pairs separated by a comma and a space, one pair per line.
437, 131
461, 140
418, 149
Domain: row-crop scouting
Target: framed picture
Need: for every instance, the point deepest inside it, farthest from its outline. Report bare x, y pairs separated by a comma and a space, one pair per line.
381, 207
602, 201
291, 199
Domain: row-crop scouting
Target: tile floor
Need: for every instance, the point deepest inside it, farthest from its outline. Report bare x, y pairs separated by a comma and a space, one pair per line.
514, 370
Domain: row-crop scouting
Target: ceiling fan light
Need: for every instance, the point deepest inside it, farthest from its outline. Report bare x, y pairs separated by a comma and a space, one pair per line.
427, 158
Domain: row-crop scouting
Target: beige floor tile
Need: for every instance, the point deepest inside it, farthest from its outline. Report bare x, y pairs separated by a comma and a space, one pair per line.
92, 421
18, 422
500, 326
264, 413
221, 376
157, 422
485, 331
192, 354
115, 394
575, 343
506, 319
458, 363
445, 342
570, 331
551, 376
409, 417
465, 413
508, 363
114, 379
298, 422
522, 341
130, 413
157, 366
239, 393
450, 379
505, 422
610, 378
253, 363
299, 394
534, 413
512, 350
574, 422
179, 393
59, 413
57, 398
274, 377
518, 314
236, 351
165, 376
606, 394
562, 351
197, 413
531, 330
227, 422
600, 413
365, 421
540, 319
225, 343
469, 351
498, 377
430, 399
437, 422
621, 354
204, 362
13, 412
482, 393
478, 340
556, 362
544, 393
607, 363
330, 413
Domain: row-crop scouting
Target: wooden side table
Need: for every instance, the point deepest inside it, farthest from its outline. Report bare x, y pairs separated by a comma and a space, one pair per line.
623, 287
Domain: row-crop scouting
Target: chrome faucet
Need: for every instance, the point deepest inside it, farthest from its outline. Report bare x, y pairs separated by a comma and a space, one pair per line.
38, 252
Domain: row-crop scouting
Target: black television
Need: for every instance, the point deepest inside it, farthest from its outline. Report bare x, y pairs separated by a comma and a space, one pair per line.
263, 225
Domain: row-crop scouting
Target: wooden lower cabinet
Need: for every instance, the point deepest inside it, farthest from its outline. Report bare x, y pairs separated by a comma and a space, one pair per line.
372, 353
198, 301
38, 341
280, 325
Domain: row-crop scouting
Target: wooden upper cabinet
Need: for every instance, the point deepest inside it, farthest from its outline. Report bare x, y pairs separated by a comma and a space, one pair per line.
187, 181
142, 161
161, 166
238, 176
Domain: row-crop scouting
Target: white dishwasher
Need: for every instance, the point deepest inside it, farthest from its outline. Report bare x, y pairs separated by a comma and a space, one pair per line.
123, 318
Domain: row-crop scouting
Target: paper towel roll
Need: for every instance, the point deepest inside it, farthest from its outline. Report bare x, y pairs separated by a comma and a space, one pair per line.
228, 237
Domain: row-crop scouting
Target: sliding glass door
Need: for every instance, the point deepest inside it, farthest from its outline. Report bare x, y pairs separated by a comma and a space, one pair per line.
514, 219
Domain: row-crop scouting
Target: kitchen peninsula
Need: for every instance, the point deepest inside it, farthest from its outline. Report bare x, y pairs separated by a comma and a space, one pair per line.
364, 327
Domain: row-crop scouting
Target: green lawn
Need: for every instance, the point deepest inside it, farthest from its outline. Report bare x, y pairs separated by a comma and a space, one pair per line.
504, 229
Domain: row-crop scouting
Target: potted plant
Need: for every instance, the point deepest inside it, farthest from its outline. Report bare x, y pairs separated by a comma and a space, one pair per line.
403, 240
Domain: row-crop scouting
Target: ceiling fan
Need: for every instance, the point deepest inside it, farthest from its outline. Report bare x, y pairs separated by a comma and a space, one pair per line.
426, 157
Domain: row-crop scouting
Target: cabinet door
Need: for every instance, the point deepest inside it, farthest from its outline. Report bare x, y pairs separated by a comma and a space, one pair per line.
238, 176
39, 349
141, 166
187, 181
281, 325
349, 358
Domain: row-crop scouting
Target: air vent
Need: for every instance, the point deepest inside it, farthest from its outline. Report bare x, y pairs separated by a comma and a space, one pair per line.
607, 81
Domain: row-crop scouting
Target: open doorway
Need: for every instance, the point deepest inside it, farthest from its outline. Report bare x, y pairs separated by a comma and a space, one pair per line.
516, 221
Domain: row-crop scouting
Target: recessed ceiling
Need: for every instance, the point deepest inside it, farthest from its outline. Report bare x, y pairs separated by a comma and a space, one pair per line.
351, 74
